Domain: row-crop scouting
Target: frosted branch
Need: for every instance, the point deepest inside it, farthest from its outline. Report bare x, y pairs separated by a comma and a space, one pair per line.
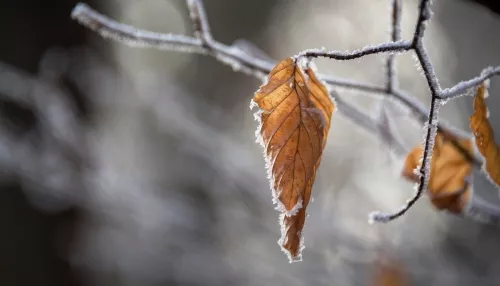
244, 61
199, 19
462, 87
424, 15
389, 47
238, 58
428, 69
395, 36
132, 36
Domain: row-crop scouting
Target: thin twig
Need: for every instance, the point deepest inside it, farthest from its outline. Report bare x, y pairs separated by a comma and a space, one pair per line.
200, 21
129, 35
463, 86
391, 84
389, 47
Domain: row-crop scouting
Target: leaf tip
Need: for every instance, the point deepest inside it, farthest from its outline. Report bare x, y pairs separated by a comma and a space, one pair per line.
291, 249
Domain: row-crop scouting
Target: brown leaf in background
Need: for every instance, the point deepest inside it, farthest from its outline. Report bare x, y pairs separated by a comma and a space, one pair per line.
295, 113
483, 133
389, 273
450, 167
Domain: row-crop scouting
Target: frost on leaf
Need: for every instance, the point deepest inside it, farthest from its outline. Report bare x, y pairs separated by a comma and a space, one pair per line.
295, 113
450, 167
483, 134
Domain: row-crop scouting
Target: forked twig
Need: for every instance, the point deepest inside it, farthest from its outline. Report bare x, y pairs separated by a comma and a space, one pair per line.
239, 60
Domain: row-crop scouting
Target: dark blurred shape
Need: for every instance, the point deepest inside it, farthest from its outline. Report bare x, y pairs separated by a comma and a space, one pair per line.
33, 243
493, 5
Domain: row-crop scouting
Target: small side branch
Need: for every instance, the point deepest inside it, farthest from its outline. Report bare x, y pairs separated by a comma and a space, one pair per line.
424, 15
389, 47
132, 36
462, 87
200, 21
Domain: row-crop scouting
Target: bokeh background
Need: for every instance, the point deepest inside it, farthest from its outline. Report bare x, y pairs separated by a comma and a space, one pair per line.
123, 166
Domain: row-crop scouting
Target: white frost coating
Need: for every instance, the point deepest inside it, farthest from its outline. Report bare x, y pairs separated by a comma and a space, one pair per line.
303, 63
314, 68
486, 89
281, 207
487, 83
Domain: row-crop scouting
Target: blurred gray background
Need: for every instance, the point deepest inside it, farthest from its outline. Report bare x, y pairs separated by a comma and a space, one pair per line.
128, 166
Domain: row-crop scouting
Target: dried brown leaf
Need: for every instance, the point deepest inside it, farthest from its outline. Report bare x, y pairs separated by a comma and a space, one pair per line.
295, 114
450, 167
484, 136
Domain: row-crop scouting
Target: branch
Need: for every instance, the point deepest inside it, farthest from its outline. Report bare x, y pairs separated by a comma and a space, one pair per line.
391, 84
245, 62
231, 55
389, 47
200, 22
463, 86
132, 36
129, 35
